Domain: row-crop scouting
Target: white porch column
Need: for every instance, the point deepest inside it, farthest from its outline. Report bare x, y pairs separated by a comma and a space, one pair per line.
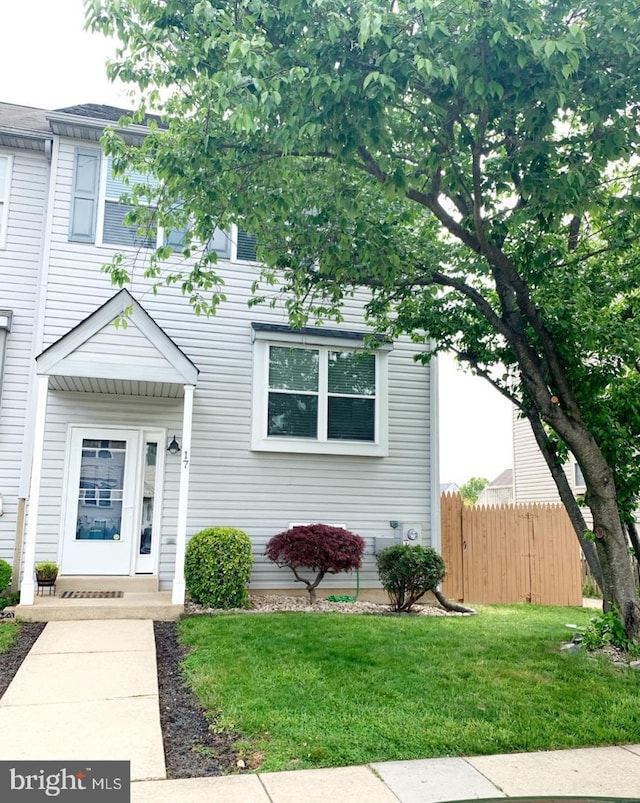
178, 590
27, 588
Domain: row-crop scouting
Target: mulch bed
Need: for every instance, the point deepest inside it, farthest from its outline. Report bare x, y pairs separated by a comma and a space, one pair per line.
11, 660
191, 748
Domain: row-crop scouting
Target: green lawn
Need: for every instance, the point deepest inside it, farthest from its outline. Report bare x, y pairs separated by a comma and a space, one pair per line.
8, 631
316, 690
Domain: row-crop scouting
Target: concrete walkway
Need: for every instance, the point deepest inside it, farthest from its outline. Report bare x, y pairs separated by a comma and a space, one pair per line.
88, 690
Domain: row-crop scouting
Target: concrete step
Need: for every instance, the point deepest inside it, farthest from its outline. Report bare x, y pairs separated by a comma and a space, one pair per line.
140, 582
132, 605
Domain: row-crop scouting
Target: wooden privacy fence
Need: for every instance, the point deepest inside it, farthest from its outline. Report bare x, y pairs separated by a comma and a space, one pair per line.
510, 553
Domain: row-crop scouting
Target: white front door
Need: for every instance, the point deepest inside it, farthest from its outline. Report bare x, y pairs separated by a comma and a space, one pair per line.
101, 516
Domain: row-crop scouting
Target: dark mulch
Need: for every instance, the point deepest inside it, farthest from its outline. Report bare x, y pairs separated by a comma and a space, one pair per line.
191, 748
10, 661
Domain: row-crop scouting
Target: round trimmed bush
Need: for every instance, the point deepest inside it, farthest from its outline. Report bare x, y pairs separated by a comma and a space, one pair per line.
217, 567
5, 574
408, 572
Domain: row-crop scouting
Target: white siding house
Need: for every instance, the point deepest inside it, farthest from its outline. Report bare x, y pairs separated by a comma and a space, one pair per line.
532, 480
274, 426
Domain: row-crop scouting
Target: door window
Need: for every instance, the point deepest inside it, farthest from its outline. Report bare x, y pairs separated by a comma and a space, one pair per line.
148, 497
101, 489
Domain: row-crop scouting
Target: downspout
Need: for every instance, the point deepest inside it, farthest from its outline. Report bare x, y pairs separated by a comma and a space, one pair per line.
434, 451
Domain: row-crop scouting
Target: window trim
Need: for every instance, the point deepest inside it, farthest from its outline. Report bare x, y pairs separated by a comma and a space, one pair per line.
4, 214
232, 236
330, 341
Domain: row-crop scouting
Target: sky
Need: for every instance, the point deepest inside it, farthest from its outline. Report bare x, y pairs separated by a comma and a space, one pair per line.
48, 61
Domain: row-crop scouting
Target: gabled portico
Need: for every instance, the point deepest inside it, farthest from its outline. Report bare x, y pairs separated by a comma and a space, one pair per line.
112, 472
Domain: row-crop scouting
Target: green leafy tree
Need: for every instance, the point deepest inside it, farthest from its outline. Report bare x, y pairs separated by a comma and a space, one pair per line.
470, 164
472, 488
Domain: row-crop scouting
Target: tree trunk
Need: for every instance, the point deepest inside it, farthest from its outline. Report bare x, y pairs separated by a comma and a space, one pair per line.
568, 499
618, 582
619, 587
450, 606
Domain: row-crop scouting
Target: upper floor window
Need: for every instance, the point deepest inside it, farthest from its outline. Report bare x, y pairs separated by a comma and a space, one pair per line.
113, 211
322, 397
578, 476
98, 212
5, 180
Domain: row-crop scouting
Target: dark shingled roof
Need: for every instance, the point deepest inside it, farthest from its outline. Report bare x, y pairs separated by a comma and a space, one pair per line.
97, 111
24, 118
502, 480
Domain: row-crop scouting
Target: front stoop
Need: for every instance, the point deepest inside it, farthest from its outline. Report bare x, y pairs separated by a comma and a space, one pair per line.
141, 600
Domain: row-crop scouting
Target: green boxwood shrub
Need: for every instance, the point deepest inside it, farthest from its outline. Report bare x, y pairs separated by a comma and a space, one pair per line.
5, 574
217, 567
408, 572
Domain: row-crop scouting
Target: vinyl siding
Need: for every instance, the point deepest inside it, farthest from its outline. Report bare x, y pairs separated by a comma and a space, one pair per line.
230, 484
19, 269
532, 479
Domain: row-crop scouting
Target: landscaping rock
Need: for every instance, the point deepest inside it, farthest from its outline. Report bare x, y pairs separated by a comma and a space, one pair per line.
274, 603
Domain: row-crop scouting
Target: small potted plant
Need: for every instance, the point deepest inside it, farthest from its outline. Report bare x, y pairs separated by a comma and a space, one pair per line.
46, 574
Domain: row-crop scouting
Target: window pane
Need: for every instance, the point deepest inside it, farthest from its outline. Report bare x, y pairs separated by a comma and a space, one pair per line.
3, 176
100, 490
176, 237
292, 415
351, 419
123, 184
116, 232
220, 243
352, 372
148, 498
293, 369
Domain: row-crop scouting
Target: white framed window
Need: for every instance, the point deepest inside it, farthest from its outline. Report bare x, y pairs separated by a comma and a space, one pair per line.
6, 164
318, 393
112, 230
97, 214
578, 477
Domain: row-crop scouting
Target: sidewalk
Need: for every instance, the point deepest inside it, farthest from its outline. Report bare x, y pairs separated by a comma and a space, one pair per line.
88, 690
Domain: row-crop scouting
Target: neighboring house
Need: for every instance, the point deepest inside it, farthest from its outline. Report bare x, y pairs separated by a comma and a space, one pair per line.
499, 491
449, 488
118, 443
532, 480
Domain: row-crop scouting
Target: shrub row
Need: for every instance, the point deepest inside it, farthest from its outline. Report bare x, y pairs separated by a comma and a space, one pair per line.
218, 564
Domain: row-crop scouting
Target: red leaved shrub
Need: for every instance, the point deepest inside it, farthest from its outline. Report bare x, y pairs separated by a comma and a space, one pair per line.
319, 547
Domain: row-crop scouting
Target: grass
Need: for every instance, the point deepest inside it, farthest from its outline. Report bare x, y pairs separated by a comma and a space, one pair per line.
8, 632
323, 690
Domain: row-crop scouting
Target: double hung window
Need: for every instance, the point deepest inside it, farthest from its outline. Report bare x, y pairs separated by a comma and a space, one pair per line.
326, 397
101, 202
